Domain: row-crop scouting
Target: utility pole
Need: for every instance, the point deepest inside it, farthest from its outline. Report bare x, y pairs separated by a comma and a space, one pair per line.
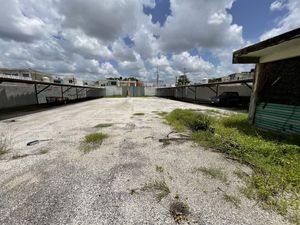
157, 77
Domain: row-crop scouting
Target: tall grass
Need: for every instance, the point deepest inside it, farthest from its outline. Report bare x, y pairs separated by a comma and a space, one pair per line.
274, 157
4, 144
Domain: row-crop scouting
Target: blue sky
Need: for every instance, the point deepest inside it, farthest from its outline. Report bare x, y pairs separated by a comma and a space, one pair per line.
98, 39
254, 15
160, 12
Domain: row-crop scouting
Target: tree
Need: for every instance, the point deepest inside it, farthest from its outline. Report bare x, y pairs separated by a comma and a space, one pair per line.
183, 80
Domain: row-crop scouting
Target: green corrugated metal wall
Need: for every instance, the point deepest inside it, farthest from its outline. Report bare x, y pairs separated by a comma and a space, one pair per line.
285, 118
133, 91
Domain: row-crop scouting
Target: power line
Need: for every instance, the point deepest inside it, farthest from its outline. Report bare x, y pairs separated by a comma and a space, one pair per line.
157, 77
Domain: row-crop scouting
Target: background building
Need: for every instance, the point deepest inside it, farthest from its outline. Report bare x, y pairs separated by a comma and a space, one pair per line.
27, 74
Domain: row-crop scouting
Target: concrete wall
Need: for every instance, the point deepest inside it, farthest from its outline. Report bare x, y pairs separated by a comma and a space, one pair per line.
95, 93
24, 94
117, 91
16, 95
200, 94
113, 91
150, 91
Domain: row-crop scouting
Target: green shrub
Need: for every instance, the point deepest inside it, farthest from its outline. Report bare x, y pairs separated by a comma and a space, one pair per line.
188, 119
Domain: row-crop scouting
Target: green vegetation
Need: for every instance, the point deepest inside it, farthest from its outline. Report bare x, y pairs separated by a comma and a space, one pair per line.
182, 120
92, 141
232, 199
183, 80
44, 151
103, 125
159, 169
162, 114
215, 173
160, 188
213, 111
114, 96
240, 174
139, 114
17, 156
4, 144
274, 157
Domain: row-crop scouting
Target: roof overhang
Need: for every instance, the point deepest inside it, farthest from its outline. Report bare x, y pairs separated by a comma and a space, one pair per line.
284, 46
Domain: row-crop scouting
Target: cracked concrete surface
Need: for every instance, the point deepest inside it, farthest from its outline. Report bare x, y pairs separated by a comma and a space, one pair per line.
65, 186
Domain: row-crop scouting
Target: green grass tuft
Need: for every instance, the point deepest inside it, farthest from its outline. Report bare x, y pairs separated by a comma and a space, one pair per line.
103, 125
162, 114
240, 174
4, 144
216, 173
92, 141
44, 151
232, 199
139, 114
159, 169
160, 188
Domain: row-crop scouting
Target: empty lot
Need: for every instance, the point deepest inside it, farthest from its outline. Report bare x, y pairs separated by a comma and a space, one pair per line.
55, 182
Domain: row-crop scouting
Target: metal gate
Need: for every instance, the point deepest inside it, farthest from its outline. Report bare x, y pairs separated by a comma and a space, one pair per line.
133, 91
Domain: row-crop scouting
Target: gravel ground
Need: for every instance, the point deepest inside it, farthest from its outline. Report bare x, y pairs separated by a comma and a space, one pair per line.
54, 182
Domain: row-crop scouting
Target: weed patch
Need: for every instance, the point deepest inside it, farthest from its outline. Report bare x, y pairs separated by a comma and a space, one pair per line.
159, 169
92, 141
183, 120
44, 151
215, 173
240, 174
232, 199
19, 156
274, 157
103, 125
139, 114
160, 188
162, 114
4, 144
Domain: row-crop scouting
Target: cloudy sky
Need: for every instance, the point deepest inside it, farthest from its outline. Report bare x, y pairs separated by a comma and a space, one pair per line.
95, 39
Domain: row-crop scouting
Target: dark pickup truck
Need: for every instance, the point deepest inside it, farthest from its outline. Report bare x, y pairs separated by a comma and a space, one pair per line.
56, 100
230, 99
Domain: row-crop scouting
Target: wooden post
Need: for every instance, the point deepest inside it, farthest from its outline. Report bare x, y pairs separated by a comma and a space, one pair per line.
36, 94
257, 83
